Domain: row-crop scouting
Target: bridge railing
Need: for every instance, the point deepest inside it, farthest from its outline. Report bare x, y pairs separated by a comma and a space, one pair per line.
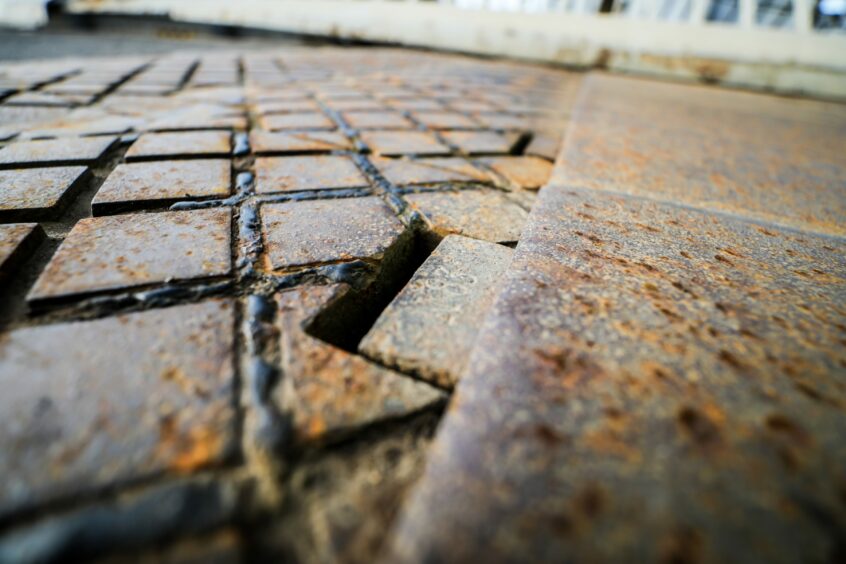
783, 45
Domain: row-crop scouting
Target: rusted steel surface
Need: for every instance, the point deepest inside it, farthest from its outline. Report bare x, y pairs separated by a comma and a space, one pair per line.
544, 145
482, 214
336, 91
377, 120
480, 142
198, 119
403, 143
289, 174
661, 377
523, 171
776, 159
328, 391
653, 383
296, 121
221, 97
115, 400
277, 92
144, 517
431, 170
285, 106
224, 547
413, 103
36, 192
504, 120
264, 142
84, 150
445, 120
357, 105
122, 251
431, 326
82, 122
474, 106
180, 144
162, 182
319, 231
41, 99
27, 115
660, 380
16, 240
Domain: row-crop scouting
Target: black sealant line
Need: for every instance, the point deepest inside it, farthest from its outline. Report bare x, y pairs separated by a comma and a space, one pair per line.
351, 132
244, 188
269, 430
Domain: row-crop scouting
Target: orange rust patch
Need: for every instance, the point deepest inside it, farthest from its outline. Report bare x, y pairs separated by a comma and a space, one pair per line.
709, 70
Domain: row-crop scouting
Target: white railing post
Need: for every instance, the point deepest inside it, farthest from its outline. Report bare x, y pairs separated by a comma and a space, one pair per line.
578, 6
802, 16
746, 16
699, 11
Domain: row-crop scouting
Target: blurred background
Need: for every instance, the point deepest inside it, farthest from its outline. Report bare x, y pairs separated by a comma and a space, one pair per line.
788, 46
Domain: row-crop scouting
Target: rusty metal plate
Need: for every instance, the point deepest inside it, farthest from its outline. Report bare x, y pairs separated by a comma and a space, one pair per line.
16, 242
87, 121
523, 172
161, 182
90, 89
264, 142
544, 145
276, 94
286, 174
319, 231
481, 142
285, 106
299, 120
224, 95
89, 405
653, 383
347, 104
134, 89
415, 104
775, 159
403, 143
467, 105
33, 193
329, 391
225, 546
27, 115
482, 214
188, 120
341, 91
80, 150
502, 120
424, 171
40, 99
180, 144
445, 120
377, 120
123, 251
430, 327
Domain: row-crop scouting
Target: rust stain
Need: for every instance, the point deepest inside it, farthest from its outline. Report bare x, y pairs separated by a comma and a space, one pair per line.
709, 70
